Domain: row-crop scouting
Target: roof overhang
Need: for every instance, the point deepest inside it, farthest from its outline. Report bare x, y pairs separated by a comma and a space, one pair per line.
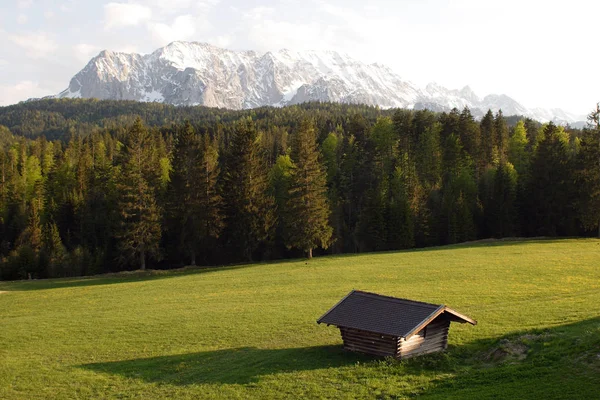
455, 316
452, 315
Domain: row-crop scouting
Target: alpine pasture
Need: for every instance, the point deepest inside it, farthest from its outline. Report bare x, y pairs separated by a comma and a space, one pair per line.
250, 331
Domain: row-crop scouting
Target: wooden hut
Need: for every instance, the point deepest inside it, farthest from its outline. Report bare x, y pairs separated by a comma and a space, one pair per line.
389, 326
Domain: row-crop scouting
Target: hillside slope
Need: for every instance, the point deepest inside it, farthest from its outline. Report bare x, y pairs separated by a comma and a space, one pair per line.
250, 331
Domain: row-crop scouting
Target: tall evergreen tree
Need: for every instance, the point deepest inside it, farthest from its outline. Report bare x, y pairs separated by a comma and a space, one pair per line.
280, 179
307, 219
400, 220
588, 174
550, 205
210, 202
500, 203
140, 232
195, 203
249, 209
501, 131
517, 148
488, 139
470, 135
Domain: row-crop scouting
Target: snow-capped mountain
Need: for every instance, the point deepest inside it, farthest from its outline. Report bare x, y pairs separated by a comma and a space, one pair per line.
192, 73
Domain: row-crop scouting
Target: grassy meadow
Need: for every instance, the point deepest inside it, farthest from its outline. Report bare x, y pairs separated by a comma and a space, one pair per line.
250, 331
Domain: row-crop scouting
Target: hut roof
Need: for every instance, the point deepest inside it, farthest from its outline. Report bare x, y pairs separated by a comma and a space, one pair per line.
386, 315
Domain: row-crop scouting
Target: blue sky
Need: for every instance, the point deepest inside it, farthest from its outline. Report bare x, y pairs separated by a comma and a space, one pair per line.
542, 53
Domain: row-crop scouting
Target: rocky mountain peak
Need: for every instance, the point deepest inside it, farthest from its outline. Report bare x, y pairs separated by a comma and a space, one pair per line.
196, 73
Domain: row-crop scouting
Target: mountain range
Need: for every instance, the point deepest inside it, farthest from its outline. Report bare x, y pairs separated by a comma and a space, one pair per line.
193, 73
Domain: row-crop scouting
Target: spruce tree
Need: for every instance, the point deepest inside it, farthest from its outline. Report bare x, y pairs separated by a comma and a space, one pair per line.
501, 130
249, 209
517, 149
307, 219
488, 139
54, 252
550, 205
194, 201
209, 200
588, 174
140, 231
279, 182
470, 137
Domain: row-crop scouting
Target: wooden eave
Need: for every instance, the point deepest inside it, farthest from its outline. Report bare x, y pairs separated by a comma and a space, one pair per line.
458, 317
455, 316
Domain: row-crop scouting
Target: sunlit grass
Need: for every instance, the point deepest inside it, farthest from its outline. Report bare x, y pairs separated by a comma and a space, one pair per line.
250, 331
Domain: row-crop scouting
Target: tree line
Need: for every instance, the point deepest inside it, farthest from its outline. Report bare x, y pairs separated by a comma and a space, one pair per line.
111, 191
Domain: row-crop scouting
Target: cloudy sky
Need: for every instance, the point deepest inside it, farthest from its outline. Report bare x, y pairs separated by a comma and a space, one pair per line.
542, 53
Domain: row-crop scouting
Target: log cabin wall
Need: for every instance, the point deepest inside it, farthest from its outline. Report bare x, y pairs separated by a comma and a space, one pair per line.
369, 342
432, 338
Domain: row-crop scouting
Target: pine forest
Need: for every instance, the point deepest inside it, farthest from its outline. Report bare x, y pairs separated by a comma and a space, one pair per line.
90, 187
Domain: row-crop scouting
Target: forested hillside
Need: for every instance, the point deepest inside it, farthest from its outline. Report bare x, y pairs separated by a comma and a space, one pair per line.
96, 186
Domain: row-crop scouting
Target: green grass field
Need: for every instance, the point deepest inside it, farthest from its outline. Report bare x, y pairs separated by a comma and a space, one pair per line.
250, 331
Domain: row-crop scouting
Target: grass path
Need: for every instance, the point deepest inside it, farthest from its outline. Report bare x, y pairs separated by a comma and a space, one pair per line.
250, 331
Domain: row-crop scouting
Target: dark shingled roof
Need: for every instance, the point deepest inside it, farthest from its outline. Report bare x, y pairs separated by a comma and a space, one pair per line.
385, 315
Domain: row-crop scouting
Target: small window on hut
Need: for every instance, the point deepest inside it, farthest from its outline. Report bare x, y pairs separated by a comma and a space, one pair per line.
423, 333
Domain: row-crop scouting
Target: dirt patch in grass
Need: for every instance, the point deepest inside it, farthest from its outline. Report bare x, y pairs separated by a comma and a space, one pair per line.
3, 291
508, 351
516, 349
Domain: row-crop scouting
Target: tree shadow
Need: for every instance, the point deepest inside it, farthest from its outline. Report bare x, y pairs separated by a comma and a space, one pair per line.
229, 366
111, 278
138, 276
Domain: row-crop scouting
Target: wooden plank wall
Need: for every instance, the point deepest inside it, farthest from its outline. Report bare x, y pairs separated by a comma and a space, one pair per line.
434, 338
369, 343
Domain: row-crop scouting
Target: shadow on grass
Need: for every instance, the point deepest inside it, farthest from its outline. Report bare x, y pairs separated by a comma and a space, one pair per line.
138, 276
562, 362
230, 366
111, 278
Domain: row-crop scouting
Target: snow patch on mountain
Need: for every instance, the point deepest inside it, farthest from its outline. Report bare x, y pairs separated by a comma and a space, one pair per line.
192, 73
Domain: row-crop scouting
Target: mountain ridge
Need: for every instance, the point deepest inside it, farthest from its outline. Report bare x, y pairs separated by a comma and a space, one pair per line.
196, 73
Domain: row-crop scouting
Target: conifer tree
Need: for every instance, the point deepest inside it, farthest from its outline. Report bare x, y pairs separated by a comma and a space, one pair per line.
488, 138
400, 220
279, 182
517, 148
140, 232
195, 204
430, 156
54, 251
499, 204
209, 200
550, 205
501, 130
470, 136
307, 219
249, 209
588, 174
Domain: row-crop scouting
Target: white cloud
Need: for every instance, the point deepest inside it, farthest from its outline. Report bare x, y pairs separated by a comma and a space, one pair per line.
84, 52
36, 44
49, 14
22, 19
3, 62
184, 27
24, 3
118, 15
10, 94
175, 6
222, 41
126, 48
263, 30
